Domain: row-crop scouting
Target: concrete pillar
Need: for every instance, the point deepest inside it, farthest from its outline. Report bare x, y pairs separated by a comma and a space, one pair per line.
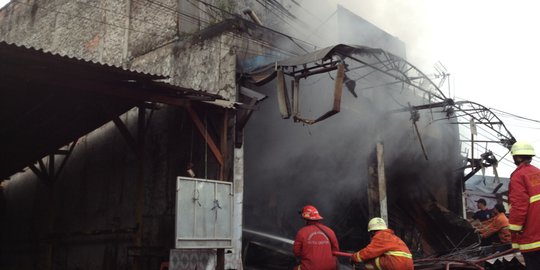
233, 257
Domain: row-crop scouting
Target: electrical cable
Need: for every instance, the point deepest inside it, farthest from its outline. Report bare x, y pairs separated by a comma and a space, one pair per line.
155, 33
49, 10
500, 159
516, 116
293, 39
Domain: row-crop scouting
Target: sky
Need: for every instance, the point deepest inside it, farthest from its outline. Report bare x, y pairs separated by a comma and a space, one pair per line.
490, 48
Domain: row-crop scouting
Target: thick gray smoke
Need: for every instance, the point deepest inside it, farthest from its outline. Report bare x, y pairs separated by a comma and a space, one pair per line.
328, 164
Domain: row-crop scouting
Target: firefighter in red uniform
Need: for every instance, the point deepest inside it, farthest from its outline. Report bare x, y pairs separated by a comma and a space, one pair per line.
524, 198
386, 251
314, 243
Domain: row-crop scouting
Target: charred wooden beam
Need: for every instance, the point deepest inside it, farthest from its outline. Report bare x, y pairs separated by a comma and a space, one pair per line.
132, 143
200, 127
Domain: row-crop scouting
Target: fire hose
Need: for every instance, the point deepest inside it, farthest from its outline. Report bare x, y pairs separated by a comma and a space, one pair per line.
347, 255
342, 254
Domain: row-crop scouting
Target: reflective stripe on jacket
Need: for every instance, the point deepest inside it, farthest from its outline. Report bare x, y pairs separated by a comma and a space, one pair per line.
386, 251
498, 224
314, 248
524, 198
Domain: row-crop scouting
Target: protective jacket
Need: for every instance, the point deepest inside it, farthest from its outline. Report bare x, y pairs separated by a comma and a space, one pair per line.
314, 247
497, 224
386, 251
524, 198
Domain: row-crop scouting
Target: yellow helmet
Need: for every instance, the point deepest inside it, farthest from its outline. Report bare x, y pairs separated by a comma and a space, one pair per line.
522, 149
376, 224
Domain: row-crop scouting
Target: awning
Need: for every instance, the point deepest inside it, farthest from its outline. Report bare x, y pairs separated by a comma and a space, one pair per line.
49, 100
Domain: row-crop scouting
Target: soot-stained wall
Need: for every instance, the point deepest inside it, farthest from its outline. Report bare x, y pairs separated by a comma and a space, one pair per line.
87, 218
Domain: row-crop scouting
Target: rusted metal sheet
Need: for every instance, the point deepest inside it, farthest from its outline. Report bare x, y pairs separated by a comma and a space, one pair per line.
336, 104
283, 96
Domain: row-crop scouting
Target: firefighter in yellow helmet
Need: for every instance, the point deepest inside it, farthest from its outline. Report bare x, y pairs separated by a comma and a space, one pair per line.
385, 251
524, 199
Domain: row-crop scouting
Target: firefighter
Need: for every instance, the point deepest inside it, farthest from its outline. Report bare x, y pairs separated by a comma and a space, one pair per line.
524, 198
498, 224
386, 251
315, 242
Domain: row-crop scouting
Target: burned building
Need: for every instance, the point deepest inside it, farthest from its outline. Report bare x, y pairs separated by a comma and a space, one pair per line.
113, 108
336, 123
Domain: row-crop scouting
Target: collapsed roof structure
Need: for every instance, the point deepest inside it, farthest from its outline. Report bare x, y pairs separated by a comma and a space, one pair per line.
359, 70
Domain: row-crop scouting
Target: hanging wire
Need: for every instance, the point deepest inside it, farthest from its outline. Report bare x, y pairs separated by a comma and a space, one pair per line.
191, 145
49, 10
516, 116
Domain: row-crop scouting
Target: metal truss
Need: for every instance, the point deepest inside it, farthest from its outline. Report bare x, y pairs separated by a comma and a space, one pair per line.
363, 63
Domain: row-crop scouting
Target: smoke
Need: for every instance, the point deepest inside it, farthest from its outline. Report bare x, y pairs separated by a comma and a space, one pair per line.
328, 164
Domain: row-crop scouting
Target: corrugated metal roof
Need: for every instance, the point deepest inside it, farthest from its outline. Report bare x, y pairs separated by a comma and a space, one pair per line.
48, 100
29, 50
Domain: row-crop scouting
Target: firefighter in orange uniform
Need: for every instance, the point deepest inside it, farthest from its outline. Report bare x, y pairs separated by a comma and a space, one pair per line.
498, 224
386, 251
314, 243
524, 198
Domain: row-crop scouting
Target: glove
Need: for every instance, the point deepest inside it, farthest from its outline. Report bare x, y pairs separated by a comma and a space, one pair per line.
353, 260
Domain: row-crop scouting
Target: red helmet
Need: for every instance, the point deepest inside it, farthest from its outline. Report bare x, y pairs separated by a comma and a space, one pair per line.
309, 212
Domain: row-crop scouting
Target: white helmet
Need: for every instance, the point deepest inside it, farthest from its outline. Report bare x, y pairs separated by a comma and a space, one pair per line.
376, 224
522, 149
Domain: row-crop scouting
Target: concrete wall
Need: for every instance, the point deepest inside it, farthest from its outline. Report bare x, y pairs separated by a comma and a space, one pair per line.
133, 34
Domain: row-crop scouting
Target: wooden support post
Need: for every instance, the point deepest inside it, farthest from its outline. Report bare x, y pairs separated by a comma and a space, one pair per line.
139, 207
124, 131
204, 133
224, 145
382, 182
373, 192
377, 201
242, 117
220, 264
